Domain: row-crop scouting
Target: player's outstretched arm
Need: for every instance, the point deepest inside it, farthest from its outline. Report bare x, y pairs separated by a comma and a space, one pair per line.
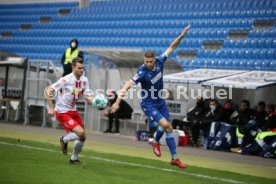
88, 95
176, 42
123, 91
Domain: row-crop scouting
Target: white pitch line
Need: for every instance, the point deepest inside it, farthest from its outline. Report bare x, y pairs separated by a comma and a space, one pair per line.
131, 164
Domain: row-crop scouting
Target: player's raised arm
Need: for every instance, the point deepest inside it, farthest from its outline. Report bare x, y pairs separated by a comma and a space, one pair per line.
122, 93
176, 42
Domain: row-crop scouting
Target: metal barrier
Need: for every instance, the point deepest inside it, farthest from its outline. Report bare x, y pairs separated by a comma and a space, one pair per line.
40, 74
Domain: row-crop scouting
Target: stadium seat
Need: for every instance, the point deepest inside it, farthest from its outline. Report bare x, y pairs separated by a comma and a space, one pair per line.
132, 24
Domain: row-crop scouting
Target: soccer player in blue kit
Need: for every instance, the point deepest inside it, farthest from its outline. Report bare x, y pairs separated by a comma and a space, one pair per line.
150, 75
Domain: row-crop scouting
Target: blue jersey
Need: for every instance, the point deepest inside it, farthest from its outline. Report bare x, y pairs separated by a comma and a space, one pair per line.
151, 80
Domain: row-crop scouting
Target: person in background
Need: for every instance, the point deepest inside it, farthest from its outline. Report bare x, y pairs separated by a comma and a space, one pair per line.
124, 112
265, 142
261, 114
193, 116
68, 56
250, 129
222, 132
270, 120
214, 114
243, 123
190, 122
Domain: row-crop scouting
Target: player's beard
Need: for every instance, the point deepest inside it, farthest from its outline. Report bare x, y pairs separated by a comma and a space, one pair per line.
80, 74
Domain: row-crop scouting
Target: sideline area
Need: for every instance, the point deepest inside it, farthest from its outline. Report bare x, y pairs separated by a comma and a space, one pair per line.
108, 143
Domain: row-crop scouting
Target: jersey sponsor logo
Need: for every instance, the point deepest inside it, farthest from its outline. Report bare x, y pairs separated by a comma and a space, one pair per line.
156, 78
77, 91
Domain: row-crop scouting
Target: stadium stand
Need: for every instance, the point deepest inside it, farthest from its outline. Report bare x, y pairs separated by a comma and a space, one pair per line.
242, 31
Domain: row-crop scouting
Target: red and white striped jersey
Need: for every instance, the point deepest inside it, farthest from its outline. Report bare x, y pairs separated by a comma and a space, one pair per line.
68, 90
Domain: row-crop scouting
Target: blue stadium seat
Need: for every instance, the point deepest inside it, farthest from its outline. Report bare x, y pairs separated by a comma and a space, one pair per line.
264, 65
144, 24
272, 65
242, 64
228, 64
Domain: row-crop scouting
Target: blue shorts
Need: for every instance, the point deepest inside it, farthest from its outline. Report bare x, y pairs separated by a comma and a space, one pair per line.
155, 112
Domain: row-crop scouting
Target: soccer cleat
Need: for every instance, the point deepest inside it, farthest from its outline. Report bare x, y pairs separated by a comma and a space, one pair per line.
63, 146
156, 149
178, 163
74, 161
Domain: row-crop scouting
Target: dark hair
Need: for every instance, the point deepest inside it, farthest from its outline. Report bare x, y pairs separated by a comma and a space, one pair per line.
213, 100
77, 60
262, 103
149, 54
74, 40
229, 101
246, 102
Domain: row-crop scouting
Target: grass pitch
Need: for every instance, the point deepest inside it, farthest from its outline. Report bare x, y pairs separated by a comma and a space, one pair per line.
37, 162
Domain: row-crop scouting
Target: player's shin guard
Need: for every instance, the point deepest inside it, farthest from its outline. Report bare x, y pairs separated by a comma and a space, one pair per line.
158, 134
70, 137
77, 149
171, 144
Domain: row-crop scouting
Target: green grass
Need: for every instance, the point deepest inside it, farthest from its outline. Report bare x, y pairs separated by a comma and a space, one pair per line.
24, 165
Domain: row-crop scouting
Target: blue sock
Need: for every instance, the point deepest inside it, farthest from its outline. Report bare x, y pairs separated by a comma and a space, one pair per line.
171, 144
158, 134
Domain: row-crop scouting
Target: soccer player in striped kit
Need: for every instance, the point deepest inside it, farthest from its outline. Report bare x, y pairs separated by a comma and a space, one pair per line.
67, 91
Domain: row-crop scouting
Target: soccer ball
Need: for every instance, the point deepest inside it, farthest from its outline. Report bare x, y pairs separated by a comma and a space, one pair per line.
100, 102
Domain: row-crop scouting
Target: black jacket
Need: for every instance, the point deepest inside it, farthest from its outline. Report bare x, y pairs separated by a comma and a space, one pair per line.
124, 108
244, 117
196, 113
270, 123
260, 119
226, 116
216, 116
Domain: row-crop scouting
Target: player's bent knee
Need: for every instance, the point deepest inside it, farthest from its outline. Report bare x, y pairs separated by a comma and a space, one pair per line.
82, 136
169, 128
